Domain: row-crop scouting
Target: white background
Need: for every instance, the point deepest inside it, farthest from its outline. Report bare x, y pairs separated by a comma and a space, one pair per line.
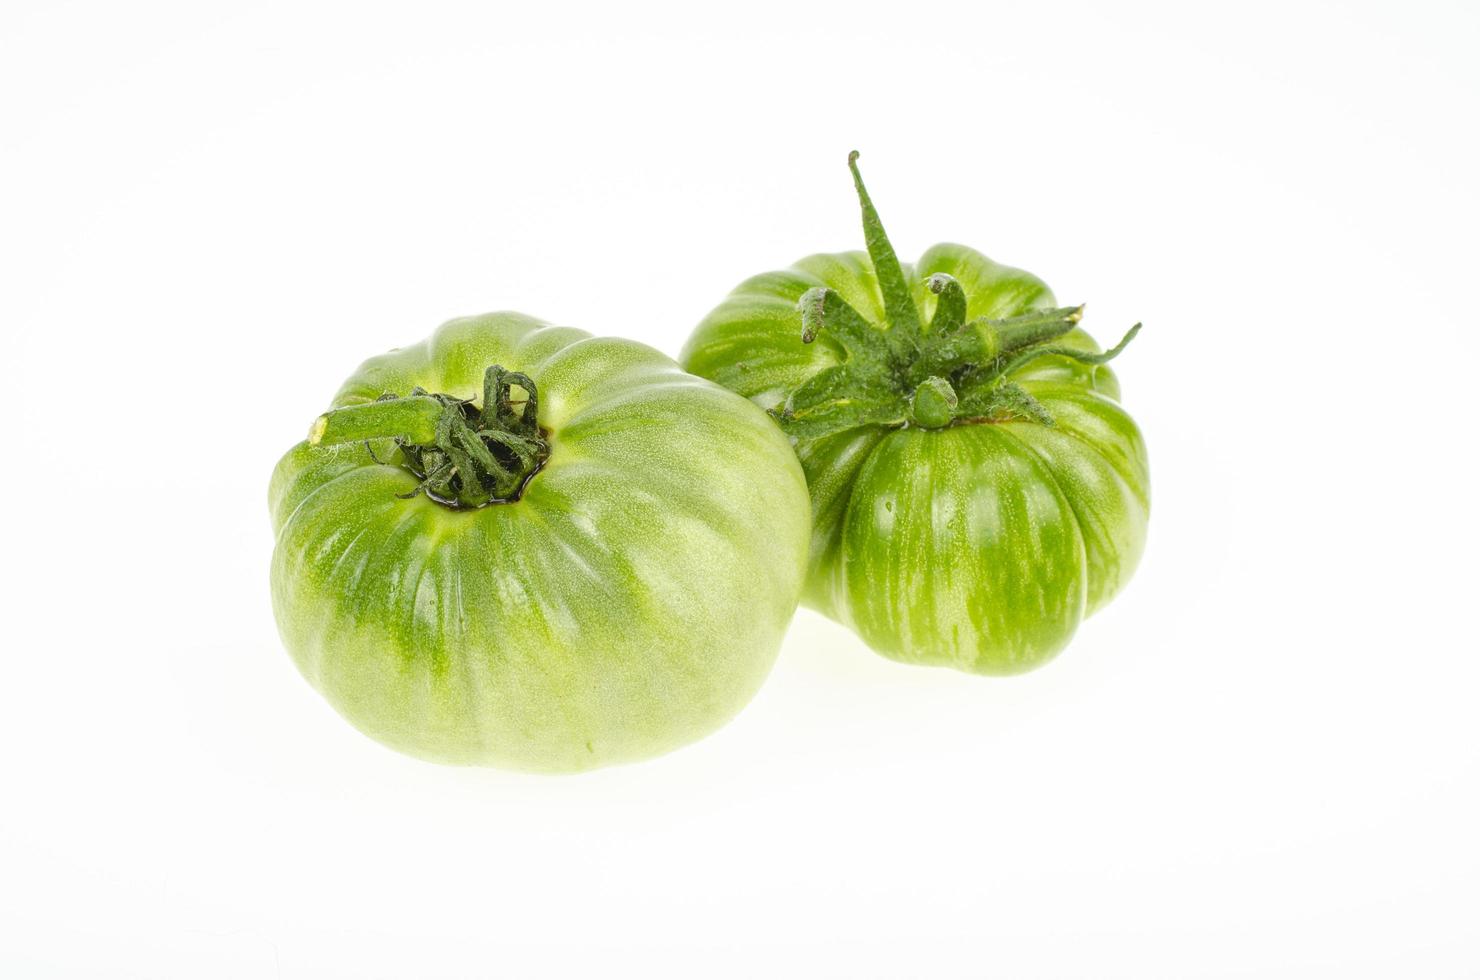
1261, 760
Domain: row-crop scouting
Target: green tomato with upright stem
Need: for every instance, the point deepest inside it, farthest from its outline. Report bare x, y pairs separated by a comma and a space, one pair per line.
519, 545
977, 489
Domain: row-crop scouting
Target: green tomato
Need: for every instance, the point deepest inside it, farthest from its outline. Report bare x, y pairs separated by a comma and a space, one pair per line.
569, 554
977, 490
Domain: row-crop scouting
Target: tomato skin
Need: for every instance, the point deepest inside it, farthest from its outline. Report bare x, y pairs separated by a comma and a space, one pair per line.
979, 546
631, 601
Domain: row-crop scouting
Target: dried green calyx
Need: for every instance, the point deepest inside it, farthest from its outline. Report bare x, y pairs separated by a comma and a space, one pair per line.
464, 456
903, 372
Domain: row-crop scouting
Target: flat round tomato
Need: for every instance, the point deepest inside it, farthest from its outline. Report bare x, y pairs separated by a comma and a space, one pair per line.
976, 487
516, 544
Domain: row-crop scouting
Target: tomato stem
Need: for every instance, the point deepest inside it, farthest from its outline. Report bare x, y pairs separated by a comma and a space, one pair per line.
413, 418
463, 456
896, 373
933, 405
